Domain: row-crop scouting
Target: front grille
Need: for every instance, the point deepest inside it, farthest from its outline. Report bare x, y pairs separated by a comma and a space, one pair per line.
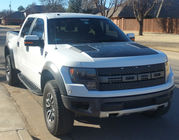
130, 77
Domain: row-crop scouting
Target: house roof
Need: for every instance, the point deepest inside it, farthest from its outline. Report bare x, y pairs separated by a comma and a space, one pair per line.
35, 9
171, 9
161, 10
15, 15
119, 10
126, 12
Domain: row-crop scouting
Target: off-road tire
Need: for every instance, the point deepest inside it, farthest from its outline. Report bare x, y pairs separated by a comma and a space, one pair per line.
61, 120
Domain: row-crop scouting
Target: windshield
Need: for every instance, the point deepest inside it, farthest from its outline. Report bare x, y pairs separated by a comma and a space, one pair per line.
83, 30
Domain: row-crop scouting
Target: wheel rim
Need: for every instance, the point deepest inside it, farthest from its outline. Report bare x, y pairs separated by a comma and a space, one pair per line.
50, 109
8, 69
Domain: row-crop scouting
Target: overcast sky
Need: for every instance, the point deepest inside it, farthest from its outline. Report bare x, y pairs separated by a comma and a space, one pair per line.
4, 4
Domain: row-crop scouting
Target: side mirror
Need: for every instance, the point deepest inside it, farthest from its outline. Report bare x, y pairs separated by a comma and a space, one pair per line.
131, 36
33, 40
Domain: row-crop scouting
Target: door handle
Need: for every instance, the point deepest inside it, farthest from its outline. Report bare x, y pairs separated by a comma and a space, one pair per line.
18, 44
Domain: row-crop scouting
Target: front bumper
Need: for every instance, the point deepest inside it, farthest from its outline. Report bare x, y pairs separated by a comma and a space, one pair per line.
106, 107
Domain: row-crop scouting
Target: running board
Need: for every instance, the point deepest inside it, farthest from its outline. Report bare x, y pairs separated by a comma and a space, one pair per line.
33, 88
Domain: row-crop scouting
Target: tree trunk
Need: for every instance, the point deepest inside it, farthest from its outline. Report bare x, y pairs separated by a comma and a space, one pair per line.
141, 23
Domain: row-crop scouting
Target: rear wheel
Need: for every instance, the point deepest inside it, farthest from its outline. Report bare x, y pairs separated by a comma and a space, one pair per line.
58, 119
11, 73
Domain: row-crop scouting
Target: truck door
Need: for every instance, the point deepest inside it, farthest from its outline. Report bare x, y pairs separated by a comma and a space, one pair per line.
21, 48
35, 54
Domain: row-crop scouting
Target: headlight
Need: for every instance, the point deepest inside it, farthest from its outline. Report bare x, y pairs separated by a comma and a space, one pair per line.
167, 70
86, 76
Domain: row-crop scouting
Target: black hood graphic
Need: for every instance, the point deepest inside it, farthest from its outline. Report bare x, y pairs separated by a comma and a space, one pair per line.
124, 49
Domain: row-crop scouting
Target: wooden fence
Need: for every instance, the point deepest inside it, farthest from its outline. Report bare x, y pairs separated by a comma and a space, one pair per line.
157, 25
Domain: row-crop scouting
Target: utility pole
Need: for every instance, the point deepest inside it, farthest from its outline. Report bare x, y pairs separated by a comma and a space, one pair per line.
10, 6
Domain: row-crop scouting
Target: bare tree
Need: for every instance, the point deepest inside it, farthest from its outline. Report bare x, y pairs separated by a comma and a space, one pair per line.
88, 6
53, 5
20, 8
168, 25
5, 13
108, 7
75, 6
141, 9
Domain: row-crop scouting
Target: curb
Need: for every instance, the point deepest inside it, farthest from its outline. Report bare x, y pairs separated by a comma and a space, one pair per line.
13, 129
24, 135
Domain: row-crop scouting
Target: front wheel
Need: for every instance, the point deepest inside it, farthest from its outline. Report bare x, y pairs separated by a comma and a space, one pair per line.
59, 120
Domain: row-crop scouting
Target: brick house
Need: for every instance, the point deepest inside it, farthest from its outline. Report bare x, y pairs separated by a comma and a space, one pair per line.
16, 18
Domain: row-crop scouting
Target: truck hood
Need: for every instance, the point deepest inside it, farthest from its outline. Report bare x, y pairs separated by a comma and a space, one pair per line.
118, 49
106, 55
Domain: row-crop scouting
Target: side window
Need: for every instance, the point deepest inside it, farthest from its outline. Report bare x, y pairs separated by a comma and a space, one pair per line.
26, 28
110, 31
38, 28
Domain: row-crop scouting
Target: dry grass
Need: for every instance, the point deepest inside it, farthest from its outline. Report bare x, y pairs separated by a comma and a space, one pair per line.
160, 41
156, 37
10, 26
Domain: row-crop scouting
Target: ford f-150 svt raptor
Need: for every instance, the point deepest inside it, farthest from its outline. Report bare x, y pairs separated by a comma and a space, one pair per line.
85, 65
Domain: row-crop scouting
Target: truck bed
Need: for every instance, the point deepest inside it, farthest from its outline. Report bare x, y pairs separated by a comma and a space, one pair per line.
11, 36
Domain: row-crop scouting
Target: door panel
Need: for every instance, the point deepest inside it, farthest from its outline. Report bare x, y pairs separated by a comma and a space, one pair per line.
35, 54
20, 49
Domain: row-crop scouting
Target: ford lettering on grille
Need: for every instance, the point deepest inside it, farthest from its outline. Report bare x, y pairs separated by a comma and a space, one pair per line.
131, 78
144, 76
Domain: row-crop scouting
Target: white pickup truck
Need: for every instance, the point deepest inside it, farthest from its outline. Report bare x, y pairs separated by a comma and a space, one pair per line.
84, 65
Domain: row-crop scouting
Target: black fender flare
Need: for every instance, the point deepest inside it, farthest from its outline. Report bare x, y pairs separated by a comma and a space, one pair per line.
54, 71
9, 51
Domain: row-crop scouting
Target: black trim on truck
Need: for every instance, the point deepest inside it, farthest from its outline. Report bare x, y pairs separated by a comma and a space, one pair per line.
9, 51
31, 86
132, 77
115, 50
93, 106
56, 75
